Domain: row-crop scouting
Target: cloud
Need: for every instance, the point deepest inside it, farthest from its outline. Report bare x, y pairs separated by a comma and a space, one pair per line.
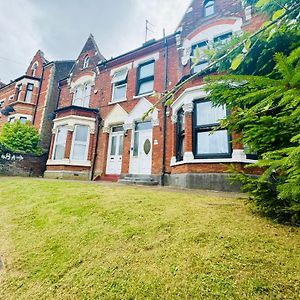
60, 28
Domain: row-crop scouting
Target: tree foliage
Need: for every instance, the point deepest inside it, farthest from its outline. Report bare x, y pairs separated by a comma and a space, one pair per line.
20, 138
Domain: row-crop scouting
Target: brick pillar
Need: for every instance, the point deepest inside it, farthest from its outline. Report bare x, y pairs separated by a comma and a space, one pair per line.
91, 146
235, 144
157, 149
173, 137
68, 144
188, 131
126, 150
104, 143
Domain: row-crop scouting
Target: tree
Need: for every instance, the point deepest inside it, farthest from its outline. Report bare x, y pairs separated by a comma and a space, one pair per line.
266, 112
20, 138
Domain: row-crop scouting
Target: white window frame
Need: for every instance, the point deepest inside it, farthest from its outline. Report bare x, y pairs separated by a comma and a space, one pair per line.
34, 68
28, 92
87, 144
116, 85
83, 98
86, 62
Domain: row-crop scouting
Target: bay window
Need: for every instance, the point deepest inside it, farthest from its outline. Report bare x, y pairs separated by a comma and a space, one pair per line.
145, 78
80, 143
60, 143
208, 144
119, 82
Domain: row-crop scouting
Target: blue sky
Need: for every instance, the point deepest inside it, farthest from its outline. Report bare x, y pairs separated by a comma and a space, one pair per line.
60, 28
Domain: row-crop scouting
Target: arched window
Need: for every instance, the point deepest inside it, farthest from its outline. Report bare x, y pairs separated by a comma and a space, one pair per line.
33, 69
209, 8
86, 62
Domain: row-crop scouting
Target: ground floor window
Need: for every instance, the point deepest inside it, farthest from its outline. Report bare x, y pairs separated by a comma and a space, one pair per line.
60, 143
206, 144
80, 143
180, 135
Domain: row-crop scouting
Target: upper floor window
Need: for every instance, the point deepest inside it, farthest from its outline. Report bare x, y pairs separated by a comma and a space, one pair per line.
209, 8
203, 62
34, 69
29, 90
12, 120
86, 62
82, 95
18, 92
145, 78
60, 143
208, 144
80, 143
223, 39
180, 126
119, 82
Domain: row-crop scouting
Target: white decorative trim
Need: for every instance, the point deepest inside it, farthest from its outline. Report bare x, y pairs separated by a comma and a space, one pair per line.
174, 119
25, 81
71, 121
188, 156
19, 116
187, 98
68, 162
82, 80
117, 101
188, 107
129, 126
154, 56
127, 66
105, 130
144, 95
116, 116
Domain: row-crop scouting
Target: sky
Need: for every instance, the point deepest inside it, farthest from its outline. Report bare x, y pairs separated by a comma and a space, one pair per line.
60, 28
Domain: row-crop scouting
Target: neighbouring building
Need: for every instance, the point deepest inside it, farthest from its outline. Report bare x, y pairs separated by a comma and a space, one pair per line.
33, 96
100, 130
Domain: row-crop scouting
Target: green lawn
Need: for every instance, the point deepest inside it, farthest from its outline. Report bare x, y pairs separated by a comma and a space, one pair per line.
74, 240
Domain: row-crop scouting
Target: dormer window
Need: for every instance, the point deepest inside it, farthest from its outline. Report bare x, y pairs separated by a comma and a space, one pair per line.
34, 69
82, 95
209, 8
86, 62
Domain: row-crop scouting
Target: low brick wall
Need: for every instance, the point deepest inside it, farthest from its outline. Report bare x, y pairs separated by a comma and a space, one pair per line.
26, 165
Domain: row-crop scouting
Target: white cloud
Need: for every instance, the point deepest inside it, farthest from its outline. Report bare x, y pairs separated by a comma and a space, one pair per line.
19, 39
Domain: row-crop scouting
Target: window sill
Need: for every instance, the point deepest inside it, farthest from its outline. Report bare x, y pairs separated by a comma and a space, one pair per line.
237, 157
68, 162
144, 95
118, 101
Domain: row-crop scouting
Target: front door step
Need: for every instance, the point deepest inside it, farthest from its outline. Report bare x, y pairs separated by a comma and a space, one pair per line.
139, 180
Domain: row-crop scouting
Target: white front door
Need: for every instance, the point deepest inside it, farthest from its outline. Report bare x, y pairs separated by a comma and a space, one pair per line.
115, 151
141, 150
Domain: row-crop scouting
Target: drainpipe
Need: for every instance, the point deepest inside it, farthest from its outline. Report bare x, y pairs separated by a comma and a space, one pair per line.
165, 112
98, 125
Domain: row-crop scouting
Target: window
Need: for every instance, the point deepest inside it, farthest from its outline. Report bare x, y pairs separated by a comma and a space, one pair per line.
223, 39
11, 98
29, 90
86, 62
180, 125
145, 78
12, 120
82, 95
208, 144
60, 143
23, 120
203, 62
2, 103
209, 8
119, 82
80, 143
18, 91
34, 69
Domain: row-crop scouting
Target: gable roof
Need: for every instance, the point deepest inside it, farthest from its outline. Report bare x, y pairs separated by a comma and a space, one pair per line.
90, 45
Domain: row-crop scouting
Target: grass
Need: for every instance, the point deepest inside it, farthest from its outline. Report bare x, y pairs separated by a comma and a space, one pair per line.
74, 240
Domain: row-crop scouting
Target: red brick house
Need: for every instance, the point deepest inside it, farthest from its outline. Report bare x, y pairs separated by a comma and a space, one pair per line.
99, 131
33, 96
